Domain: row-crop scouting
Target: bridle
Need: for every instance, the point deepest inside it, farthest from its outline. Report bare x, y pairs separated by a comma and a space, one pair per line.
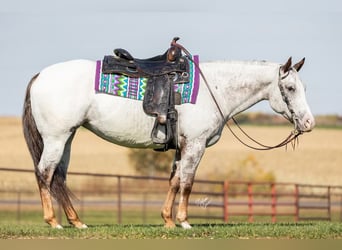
291, 138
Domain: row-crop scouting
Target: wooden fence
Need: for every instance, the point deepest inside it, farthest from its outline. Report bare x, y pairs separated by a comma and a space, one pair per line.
224, 201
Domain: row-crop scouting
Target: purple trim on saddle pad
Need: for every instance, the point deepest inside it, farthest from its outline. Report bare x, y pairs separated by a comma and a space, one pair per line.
97, 75
196, 79
134, 88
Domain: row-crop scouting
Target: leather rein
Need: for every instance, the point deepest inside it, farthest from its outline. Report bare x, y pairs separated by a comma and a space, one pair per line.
291, 138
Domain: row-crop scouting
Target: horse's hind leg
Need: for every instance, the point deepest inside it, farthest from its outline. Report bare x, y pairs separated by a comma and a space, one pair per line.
51, 174
48, 163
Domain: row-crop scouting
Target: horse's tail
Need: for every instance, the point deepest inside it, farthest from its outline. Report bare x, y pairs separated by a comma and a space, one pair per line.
32, 136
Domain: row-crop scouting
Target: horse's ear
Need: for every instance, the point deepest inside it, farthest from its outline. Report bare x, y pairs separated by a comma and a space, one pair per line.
286, 67
299, 64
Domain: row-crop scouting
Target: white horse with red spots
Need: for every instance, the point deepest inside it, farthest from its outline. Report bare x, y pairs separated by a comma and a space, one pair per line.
61, 98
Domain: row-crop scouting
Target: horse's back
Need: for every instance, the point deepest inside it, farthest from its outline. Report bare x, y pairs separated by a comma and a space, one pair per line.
63, 76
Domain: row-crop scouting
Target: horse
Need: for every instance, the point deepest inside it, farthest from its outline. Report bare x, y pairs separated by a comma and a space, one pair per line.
61, 98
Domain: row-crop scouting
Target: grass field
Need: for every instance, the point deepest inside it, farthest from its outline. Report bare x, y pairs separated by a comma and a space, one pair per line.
308, 230
102, 225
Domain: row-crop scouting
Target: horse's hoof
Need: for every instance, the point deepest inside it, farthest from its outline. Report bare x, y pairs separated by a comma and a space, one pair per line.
80, 225
170, 225
84, 226
185, 225
58, 226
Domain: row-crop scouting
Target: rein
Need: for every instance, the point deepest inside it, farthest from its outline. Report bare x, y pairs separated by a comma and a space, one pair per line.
291, 138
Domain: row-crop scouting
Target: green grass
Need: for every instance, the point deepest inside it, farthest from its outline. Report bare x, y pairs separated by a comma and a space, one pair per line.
307, 230
103, 225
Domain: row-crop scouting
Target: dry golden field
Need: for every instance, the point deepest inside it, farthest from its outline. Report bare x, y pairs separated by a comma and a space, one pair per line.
317, 160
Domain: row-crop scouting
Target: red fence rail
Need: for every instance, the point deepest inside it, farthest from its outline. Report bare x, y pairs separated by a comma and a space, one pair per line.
263, 195
210, 200
300, 201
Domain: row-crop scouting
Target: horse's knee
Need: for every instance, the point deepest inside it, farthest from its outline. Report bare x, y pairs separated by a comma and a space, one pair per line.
186, 188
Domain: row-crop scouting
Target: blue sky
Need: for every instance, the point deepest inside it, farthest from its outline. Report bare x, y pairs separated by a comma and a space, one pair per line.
37, 33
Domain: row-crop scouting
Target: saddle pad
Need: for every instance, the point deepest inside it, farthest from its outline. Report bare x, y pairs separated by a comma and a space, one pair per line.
134, 88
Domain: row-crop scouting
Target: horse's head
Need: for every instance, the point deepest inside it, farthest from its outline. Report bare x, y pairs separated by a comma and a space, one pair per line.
289, 98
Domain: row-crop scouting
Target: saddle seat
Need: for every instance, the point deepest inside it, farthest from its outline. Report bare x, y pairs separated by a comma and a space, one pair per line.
170, 55
171, 61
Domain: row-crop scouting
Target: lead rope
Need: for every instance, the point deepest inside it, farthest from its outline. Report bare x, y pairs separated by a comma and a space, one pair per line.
292, 138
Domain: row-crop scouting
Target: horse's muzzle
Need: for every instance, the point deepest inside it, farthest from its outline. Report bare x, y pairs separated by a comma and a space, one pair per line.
306, 124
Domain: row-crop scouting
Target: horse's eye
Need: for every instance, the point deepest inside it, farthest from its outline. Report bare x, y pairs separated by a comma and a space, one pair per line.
290, 88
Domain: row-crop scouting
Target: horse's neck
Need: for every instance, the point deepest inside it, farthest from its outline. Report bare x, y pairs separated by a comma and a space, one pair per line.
239, 85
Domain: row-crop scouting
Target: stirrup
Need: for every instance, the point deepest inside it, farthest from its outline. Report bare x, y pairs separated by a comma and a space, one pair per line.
154, 134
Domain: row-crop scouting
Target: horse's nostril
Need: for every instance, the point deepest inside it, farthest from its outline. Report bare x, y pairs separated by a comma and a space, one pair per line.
309, 124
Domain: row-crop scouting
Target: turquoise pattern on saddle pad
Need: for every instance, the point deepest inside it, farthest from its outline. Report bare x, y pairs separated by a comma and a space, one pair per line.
134, 88
124, 86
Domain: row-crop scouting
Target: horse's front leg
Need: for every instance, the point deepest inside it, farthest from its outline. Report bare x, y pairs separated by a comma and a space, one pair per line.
51, 175
191, 156
171, 195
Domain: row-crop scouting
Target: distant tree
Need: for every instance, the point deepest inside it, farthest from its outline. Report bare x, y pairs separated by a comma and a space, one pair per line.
249, 169
149, 162
246, 169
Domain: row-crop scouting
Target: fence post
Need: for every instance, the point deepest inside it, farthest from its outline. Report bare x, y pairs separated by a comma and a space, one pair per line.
144, 208
18, 207
82, 204
250, 202
119, 199
341, 208
274, 203
296, 197
225, 201
329, 203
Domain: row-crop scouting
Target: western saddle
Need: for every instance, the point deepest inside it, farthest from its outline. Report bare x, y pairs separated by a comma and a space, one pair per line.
162, 72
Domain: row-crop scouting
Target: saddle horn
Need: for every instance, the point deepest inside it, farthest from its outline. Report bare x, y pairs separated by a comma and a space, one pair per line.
174, 51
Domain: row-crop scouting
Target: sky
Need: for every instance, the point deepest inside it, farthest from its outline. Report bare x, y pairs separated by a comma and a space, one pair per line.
38, 33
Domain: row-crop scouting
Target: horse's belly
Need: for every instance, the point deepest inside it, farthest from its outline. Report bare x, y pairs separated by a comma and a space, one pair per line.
121, 135
120, 121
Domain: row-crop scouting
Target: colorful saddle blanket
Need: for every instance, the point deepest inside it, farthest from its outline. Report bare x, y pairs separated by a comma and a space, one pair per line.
134, 88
